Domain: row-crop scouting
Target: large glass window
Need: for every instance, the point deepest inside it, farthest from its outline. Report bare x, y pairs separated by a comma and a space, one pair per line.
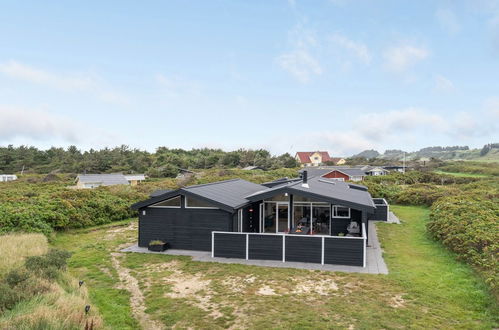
321, 215
196, 203
172, 202
312, 218
269, 217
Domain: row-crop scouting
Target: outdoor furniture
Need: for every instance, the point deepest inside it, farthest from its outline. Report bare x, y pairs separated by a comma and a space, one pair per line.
300, 231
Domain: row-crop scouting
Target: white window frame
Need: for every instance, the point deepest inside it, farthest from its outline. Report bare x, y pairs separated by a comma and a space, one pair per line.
198, 207
341, 217
168, 207
240, 216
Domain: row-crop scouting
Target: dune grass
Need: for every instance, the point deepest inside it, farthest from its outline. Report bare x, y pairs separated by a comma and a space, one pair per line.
55, 303
426, 287
14, 248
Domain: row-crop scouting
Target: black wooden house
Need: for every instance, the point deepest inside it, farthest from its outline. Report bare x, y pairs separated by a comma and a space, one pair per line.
307, 220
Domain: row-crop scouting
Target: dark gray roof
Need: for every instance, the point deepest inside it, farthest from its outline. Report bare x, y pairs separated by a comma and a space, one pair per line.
352, 171
159, 192
229, 195
323, 189
317, 172
230, 192
103, 179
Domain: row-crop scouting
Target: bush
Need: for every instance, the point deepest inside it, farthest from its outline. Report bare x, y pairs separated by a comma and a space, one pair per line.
467, 224
49, 264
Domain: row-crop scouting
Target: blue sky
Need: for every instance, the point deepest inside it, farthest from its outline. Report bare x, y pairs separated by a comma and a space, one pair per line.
338, 75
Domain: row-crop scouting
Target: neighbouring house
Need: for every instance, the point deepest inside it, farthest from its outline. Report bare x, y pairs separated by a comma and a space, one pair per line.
396, 168
89, 181
343, 174
316, 220
338, 160
7, 177
374, 170
312, 158
134, 179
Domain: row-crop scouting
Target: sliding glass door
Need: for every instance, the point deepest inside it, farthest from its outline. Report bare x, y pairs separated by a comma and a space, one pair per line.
275, 217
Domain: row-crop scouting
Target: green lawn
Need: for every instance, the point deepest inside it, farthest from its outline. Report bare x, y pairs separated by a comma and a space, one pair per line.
426, 287
461, 174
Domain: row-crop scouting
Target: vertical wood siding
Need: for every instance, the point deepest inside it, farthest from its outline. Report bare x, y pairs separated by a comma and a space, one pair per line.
229, 245
265, 247
303, 249
187, 229
343, 251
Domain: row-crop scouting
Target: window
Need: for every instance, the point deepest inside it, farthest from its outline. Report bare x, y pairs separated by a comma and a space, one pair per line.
341, 211
196, 203
169, 203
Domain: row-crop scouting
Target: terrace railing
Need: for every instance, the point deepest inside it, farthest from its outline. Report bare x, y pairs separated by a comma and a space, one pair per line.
323, 249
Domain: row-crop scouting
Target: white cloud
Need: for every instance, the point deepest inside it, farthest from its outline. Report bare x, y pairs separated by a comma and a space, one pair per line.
448, 20
381, 126
177, 87
300, 62
358, 49
491, 106
37, 126
86, 83
443, 84
401, 58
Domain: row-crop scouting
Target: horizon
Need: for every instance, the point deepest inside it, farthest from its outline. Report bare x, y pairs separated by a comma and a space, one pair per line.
283, 76
292, 153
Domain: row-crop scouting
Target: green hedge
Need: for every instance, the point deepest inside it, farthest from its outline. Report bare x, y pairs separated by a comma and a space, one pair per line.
468, 224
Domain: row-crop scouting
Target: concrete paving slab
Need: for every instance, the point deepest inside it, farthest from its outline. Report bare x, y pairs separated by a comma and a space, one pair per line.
374, 258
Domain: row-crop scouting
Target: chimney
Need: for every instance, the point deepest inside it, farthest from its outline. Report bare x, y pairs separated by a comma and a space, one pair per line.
304, 176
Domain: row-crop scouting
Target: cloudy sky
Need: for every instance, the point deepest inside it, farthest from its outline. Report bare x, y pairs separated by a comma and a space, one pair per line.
296, 75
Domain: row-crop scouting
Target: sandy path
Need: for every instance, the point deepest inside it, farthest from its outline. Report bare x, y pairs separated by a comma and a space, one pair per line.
137, 300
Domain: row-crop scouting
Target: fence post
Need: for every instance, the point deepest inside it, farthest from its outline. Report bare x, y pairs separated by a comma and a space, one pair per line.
212, 244
322, 251
364, 246
247, 245
283, 248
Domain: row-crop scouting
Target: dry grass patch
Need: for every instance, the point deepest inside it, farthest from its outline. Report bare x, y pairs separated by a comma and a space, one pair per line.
14, 248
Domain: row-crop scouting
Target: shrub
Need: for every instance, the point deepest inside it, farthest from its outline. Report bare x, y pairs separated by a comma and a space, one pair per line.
467, 224
49, 264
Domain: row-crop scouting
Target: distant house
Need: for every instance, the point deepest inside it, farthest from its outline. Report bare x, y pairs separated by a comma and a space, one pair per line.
338, 160
374, 170
312, 158
346, 174
396, 168
89, 181
134, 179
7, 177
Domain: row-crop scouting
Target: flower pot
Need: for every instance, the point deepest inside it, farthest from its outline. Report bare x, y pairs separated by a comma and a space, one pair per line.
158, 247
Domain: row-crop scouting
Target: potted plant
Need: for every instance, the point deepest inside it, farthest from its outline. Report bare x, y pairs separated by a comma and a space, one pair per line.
157, 246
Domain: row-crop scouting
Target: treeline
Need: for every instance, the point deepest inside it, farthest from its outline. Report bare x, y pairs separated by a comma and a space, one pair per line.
164, 162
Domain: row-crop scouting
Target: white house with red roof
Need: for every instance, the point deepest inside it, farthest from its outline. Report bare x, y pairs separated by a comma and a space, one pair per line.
316, 158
